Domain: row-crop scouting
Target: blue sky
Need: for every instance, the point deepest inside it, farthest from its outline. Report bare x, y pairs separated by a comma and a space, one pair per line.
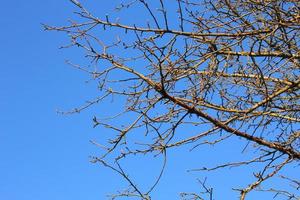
45, 155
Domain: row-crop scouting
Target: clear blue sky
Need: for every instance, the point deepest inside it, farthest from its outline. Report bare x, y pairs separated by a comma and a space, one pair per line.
44, 155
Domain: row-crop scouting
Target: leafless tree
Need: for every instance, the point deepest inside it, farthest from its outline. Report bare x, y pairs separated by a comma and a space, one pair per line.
226, 68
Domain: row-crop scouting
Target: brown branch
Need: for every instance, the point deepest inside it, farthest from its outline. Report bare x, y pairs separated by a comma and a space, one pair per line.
259, 54
191, 109
252, 186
